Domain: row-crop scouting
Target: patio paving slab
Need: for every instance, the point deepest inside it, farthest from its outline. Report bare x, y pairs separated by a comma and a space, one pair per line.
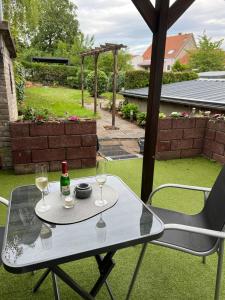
127, 130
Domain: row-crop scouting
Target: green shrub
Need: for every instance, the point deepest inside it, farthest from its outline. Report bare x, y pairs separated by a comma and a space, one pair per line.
171, 77
141, 118
71, 82
19, 81
179, 67
102, 83
120, 81
136, 79
139, 78
36, 115
49, 74
127, 108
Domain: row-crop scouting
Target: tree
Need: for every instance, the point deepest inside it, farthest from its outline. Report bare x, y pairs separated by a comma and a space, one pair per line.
209, 55
57, 23
106, 61
22, 16
80, 43
179, 67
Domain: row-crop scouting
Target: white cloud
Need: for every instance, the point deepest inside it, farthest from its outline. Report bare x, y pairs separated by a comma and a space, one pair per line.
119, 21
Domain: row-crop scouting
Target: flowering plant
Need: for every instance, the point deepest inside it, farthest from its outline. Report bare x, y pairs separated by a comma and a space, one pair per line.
184, 114
175, 114
74, 118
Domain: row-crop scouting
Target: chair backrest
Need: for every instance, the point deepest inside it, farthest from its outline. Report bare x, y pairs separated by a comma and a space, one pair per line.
4, 201
214, 209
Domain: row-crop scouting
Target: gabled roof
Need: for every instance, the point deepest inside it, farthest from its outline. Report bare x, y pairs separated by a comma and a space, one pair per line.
174, 44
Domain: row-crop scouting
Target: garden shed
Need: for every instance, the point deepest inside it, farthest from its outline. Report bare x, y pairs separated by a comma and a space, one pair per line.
203, 94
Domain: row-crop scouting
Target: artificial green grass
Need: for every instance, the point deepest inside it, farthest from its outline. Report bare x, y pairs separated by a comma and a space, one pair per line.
165, 273
58, 100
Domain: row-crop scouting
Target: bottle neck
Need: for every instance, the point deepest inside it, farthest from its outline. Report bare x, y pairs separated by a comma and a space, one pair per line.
64, 168
65, 174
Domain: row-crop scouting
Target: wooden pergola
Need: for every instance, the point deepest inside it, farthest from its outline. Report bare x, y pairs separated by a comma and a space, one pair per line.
96, 52
159, 19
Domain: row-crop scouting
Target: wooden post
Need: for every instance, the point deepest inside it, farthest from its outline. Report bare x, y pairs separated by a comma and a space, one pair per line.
156, 73
96, 83
1, 11
82, 81
115, 70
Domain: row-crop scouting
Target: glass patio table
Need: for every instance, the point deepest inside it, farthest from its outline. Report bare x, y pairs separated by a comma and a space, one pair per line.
31, 244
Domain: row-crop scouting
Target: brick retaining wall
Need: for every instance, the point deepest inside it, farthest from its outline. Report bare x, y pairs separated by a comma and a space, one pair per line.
179, 138
52, 142
214, 142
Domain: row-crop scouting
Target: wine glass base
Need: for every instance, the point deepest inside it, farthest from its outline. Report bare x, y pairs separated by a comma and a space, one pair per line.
100, 202
44, 208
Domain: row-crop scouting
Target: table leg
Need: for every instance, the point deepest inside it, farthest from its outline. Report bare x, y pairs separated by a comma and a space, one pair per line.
55, 286
99, 260
41, 279
70, 282
105, 267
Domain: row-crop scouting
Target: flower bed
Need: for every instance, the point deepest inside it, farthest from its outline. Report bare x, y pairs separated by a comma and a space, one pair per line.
52, 142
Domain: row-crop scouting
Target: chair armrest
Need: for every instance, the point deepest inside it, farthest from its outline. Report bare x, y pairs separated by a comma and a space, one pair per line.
209, 232
4, 201
179, 186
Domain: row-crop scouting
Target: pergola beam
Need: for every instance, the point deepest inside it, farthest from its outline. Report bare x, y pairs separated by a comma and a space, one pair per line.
148, 12
177, 10
95, 52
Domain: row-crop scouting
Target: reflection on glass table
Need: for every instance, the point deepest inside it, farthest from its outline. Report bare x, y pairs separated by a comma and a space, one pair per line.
128, 222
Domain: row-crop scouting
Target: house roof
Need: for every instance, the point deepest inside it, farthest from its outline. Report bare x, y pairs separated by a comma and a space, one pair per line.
212, 75
9, 42
53, 60
174, 44
200, 93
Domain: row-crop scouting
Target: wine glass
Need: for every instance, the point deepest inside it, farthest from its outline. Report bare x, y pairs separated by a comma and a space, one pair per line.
101, 178
41, 181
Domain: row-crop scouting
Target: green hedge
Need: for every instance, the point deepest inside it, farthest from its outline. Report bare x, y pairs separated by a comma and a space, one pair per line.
49, 74
75, 81
136, 79
120, 81
19, 81
171, 77
139, 78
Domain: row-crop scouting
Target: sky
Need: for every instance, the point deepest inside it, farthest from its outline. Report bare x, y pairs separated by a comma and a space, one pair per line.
118, 21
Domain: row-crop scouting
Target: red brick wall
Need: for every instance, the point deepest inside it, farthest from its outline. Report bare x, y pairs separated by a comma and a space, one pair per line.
179, 138
51, 143
214, 142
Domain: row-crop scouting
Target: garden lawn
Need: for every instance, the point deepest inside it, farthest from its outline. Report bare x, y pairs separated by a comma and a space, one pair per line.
165, 273
58, 100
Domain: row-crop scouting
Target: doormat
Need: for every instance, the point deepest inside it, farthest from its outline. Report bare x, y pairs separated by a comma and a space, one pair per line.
114, 152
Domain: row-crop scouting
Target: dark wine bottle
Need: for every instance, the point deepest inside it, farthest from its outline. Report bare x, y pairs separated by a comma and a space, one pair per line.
65, 180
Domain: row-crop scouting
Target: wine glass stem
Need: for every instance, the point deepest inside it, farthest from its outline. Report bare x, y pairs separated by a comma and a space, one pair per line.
101, 192
43, 198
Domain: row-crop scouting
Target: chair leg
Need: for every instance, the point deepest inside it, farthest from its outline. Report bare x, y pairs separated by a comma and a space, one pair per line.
219, 269
144, 247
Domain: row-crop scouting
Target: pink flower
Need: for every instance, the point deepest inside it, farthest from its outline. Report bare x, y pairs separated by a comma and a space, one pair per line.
74, 118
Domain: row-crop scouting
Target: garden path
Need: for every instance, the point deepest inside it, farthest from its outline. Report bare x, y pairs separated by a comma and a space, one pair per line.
126, 135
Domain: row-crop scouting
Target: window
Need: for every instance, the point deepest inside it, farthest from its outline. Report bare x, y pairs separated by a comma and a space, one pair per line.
168, 68
170, 51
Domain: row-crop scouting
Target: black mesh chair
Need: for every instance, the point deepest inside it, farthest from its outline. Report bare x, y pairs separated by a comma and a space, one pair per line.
201, 234
2, 228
